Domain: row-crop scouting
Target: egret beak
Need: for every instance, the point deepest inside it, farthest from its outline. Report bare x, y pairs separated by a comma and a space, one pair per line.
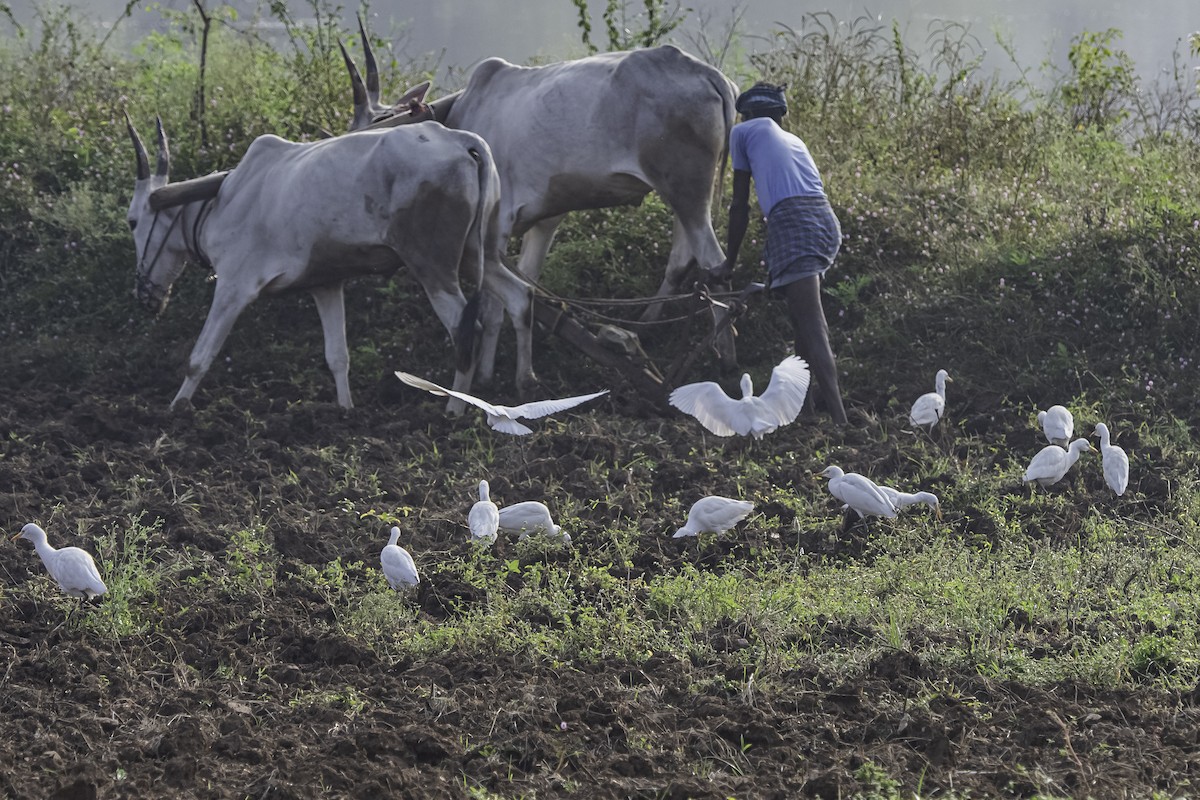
17, 536
937, 511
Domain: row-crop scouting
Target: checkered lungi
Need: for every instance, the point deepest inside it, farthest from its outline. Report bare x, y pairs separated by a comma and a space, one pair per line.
803, 237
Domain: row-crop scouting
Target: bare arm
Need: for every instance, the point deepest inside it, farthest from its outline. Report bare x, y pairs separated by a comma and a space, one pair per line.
739, 220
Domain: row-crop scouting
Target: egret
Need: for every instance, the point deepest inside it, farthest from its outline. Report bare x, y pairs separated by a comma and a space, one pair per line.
714, 514
904, 499
398, 566
779, 405
1052, 462
1058, 425
73, 568
530, 517
859, 493
484, 519
503, 418
931, 406
1116, 462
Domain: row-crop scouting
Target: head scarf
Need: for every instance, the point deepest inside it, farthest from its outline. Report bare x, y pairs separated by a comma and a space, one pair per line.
762, 97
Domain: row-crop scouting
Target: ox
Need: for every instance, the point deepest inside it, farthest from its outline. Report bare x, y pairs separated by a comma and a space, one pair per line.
591, 133
310, 216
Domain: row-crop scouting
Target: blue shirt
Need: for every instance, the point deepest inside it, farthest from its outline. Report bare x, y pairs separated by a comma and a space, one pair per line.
778, 161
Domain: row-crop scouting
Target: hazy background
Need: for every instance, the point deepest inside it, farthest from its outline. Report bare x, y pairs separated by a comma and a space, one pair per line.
454, 34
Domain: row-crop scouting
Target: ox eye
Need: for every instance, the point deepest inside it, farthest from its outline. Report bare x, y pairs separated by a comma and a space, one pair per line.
132, 224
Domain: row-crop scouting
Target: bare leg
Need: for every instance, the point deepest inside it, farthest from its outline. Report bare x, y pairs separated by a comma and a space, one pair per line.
812, 340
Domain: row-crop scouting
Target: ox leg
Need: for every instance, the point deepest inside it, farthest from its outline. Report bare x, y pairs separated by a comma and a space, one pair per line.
449, 305
508, 289
535, 244
227, 306
682, 260
331, 306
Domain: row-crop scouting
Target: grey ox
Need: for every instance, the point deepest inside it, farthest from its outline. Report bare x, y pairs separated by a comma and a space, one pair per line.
591, 133
310, 216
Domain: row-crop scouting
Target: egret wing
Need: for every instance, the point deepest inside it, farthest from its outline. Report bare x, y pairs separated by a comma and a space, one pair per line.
433, 388
784, 395
542, 408
714, 409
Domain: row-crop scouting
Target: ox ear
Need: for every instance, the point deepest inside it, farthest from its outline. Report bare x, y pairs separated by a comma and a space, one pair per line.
164, 155
369, 60
143, 162
356, 81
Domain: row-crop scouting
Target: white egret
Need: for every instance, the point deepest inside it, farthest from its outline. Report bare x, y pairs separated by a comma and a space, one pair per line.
859, 493
904, 499
1052, 462
503, 418
531, 518
73, 568
398, 566
930, 407
1057, 424
484, 519
779, 405
1116, 462
714, 514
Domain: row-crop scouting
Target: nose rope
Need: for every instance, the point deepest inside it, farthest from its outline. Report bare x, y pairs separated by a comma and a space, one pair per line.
144, 285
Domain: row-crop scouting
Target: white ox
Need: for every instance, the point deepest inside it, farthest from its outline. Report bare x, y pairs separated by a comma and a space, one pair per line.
310, 216
591, 133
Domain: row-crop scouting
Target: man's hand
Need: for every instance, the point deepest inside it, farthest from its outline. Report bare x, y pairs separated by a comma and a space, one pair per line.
721, 273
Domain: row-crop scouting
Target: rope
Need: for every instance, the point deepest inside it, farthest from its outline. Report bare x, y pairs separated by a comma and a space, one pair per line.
581, 305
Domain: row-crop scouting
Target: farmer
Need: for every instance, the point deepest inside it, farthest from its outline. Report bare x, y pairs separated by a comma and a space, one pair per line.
803, 234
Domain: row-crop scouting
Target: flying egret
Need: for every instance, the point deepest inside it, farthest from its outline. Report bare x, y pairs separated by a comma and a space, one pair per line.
931, 406
530, 518
714, 514
73, 568
398, 565
779, 405
503, 418
1052, 462
1058, 425
859, 493
904, 499
484, 519
1116, 462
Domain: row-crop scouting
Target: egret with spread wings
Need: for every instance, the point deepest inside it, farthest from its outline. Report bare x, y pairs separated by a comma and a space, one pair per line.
779, 405
504, 418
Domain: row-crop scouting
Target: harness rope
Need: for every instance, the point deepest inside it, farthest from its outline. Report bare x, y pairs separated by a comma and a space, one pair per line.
143, 283
582, 304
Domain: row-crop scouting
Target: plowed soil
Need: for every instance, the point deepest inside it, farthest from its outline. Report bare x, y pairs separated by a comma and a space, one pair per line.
214, 698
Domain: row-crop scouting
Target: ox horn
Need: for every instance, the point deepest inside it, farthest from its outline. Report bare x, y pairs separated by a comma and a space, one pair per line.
164, 155
143, 162
369, 59
356, 81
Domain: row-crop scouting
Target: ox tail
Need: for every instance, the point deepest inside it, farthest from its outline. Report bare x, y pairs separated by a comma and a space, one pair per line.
728, 92
485, 203
465, 335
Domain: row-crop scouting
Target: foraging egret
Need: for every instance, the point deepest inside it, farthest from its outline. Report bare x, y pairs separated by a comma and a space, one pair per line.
714, 514
1052, 462
904, 499
1058, 425
398, 566
1116, 462
779, 405
484, 519
859, 493
503, 418
931, 406
72, 567
530, 517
